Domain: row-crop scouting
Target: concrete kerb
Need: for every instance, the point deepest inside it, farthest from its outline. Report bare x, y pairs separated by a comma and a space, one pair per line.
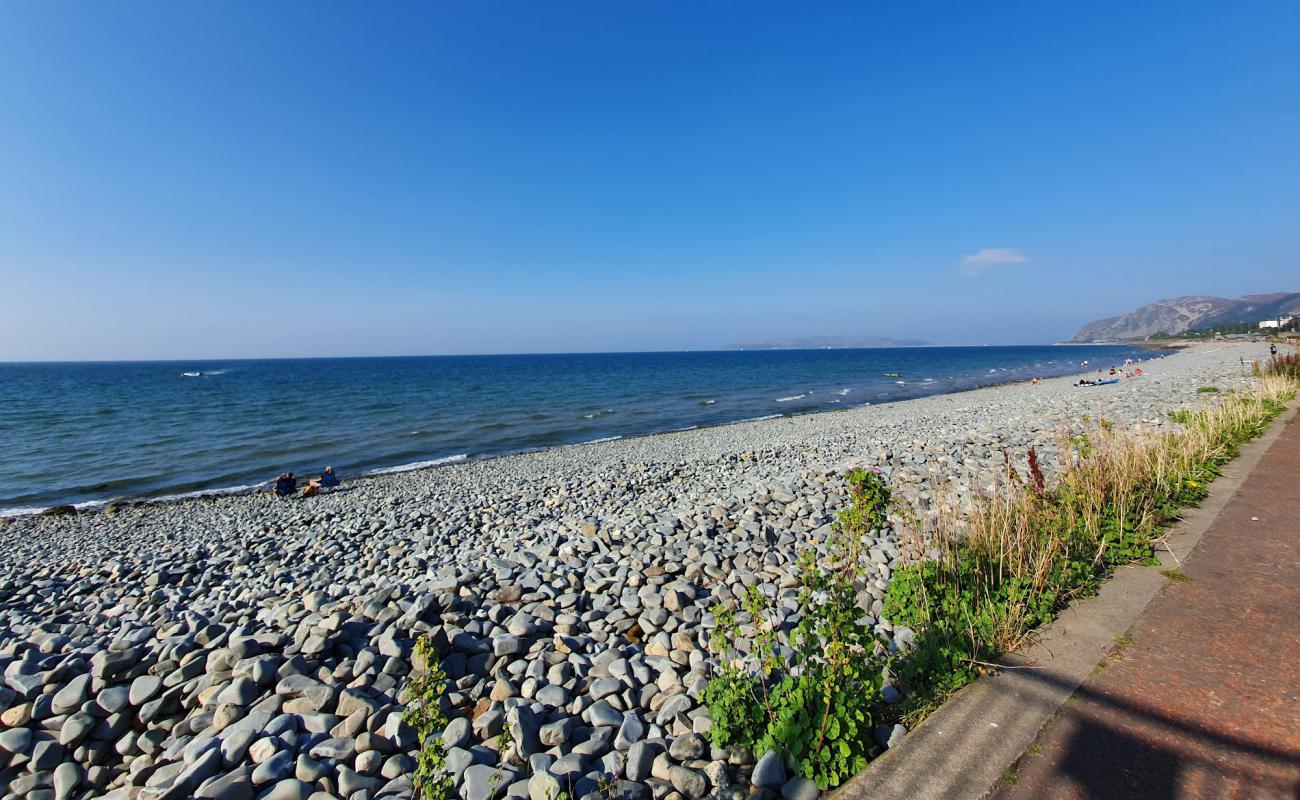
963, 748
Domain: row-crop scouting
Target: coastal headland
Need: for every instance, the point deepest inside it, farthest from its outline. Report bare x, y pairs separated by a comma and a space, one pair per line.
245, 646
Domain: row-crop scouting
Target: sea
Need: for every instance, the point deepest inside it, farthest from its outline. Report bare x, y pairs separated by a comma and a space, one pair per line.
91, 433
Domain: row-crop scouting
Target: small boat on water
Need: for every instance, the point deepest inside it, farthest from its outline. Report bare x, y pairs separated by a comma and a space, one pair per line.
892, 374
191, 374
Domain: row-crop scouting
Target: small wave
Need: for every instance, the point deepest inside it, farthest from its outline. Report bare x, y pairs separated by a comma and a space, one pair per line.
843, 392
791, 397
191, 374
418, 465
836, 401
759, 419
679, 430
21, 511
215, 372
597, 441
901, 383
707, 402
171, 498
598, 414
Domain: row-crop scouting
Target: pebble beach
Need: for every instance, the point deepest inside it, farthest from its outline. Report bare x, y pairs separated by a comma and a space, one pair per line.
246, 646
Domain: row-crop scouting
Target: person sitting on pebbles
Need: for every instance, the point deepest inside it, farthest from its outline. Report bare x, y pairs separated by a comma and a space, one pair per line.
327, 480
285, 484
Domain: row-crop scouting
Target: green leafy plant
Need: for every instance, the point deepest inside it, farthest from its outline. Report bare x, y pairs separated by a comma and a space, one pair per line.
1208, 390
815, 703
1011, 775
423, 694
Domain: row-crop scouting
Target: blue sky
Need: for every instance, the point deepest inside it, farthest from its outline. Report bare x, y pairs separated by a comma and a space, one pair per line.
266, 179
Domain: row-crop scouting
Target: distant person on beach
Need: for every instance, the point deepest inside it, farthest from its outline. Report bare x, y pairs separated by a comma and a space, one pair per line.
1272, 350
285, 484
327, 480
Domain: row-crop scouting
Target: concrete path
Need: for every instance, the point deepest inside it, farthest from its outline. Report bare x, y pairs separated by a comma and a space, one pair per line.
1202, 697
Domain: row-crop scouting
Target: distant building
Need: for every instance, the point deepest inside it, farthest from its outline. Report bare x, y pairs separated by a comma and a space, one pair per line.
1270, 323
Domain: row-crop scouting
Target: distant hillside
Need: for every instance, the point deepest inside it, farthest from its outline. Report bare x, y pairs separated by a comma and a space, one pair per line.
1180, 314
826, 342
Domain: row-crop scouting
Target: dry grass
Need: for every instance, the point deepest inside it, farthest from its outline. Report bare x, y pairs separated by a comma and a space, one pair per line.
1030, 546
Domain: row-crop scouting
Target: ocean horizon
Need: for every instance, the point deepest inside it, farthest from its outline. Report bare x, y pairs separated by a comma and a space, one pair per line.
90, 433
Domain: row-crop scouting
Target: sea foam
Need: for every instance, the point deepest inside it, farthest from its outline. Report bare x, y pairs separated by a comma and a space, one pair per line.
419, 464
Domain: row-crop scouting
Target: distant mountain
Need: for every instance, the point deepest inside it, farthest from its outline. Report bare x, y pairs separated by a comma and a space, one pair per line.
826, 343
1189, 313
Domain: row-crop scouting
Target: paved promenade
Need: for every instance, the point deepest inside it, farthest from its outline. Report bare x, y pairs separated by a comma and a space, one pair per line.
1205, 700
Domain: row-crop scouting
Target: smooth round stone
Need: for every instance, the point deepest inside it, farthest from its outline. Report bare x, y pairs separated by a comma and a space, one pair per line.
688, 747
16, 740
240, 692
75, 728
309, 769
290, 790
604, 687
553, 696
800, 788
340, 748
369, 762
73, 695
457, 732
602, 715
143, 689
274, 769
769, 772
114, 698
692, 784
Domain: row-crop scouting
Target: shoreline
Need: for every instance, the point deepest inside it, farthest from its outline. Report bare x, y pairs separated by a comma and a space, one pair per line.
208, 495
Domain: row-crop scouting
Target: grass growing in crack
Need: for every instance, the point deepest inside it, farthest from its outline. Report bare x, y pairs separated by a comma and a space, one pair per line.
808, 692
1011, 775
423, 695
974, 589
1176, 575
1123, 640
1208, 390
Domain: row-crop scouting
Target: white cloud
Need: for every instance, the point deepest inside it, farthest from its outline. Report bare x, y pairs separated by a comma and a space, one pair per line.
991, 258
